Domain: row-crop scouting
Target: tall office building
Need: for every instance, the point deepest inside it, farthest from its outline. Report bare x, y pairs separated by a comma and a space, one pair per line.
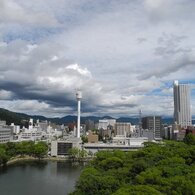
152, 124
182, 110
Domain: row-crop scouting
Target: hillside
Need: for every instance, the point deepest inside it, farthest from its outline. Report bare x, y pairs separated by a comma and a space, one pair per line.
21, 118
12, 117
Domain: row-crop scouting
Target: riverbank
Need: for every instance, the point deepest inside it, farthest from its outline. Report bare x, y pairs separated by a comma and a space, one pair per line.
30, 158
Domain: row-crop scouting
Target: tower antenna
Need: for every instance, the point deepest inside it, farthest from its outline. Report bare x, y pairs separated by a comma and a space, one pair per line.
78, 97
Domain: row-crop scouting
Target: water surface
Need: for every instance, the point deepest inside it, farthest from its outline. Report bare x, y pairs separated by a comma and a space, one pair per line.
38, 178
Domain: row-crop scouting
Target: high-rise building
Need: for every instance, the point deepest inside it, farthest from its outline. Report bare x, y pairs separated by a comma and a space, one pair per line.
78, 97
182, 111
152, 124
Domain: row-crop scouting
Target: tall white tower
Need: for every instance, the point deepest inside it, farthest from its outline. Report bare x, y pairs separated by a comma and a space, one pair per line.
182, 106
79, 97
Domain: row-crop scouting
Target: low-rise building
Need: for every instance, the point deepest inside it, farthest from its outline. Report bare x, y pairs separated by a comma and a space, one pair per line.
92, 138
5, 132
62, 147
103, 124
123, 128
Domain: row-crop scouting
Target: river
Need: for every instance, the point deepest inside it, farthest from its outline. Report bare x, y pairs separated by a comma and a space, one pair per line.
38, 178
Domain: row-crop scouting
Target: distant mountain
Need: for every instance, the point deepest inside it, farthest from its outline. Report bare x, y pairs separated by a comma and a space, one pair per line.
67, 119
132, 120
167, 120
13, 117
22, 119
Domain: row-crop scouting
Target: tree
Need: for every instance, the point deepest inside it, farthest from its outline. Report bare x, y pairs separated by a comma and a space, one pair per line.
3, 156
11, 149
189, 139
167, 168
137, 190
74, 153
91, 182
77, 154
40, 150
25, 148
84, 139
137, 167
83, 154
111, 163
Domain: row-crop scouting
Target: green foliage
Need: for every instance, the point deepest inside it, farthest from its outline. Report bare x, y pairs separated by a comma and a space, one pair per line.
40, 150
167, 168
111, 163
137, 190
84, 139
25, 148
93, 183
12, 117
3, 155
138, 167
189, 139
76, 154
10, 149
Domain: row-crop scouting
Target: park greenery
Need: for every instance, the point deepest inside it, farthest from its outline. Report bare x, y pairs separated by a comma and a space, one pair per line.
76, 154
10, 150
166, 168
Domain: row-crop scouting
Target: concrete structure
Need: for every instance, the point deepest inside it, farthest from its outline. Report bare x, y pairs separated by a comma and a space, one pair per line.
92, 138
120, 143
182, 107
42, 125
103, 124
79, 97
149, 133
16, 128
62, 147
152, 123
167, 132
123, 140
32, 135
90, 125
123, 128
5, 132
106, 128
30, 124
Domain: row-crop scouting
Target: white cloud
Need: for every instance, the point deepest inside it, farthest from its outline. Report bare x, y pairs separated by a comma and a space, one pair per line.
5, 95
82, 71
120, 54
12, 12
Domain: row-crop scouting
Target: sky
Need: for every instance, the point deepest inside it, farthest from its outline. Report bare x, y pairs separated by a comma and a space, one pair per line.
122, 54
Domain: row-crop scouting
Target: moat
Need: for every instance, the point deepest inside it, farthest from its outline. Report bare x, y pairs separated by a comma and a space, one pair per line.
39, 177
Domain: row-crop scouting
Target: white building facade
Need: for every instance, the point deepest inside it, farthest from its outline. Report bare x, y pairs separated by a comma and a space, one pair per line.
5, 132
103, 124
182, 106
123, 128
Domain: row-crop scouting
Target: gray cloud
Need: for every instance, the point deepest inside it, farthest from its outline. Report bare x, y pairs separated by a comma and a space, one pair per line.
118, 53
13, 12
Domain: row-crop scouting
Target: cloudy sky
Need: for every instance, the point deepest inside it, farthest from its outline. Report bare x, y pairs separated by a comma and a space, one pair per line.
122, 54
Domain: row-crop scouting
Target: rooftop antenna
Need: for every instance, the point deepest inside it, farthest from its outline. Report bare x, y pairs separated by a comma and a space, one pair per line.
140, 121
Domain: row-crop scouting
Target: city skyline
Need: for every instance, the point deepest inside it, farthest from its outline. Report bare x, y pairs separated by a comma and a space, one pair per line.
123, 55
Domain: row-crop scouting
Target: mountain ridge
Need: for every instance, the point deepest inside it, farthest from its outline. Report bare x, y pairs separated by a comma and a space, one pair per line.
22, 118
